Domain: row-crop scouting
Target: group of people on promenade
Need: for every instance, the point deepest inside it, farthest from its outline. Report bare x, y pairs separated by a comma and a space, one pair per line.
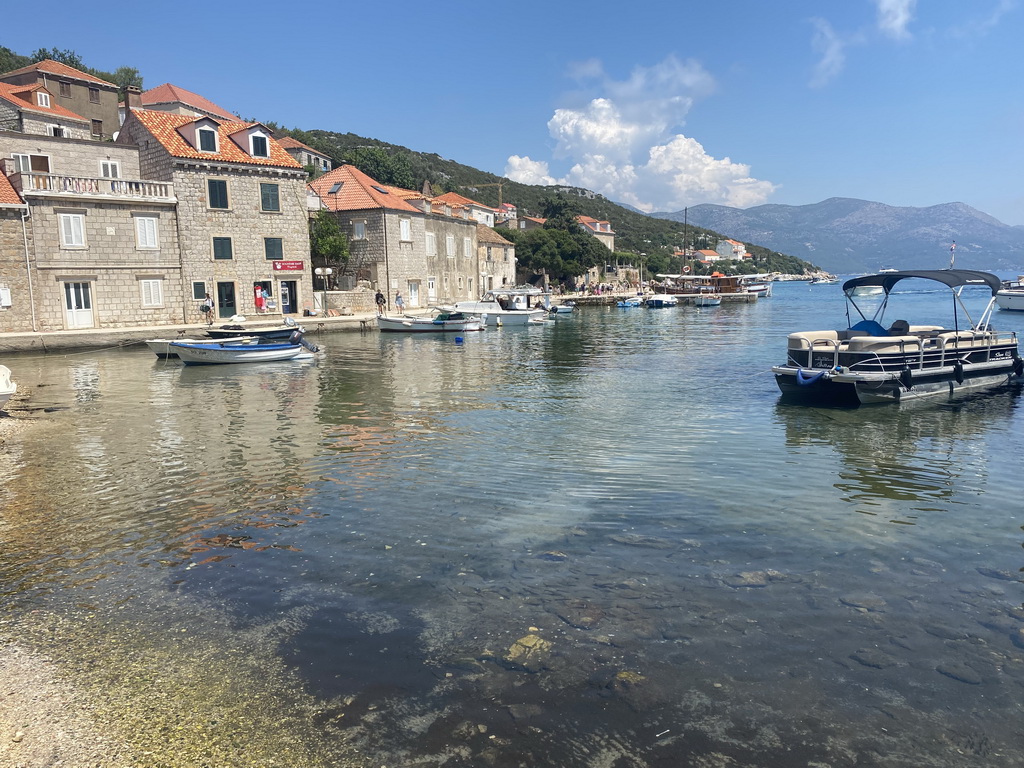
382, 302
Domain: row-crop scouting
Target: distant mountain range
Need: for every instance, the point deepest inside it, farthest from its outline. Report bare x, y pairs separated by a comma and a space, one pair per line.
845, 236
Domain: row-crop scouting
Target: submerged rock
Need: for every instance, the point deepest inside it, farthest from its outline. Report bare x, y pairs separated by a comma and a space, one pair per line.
959, 672
872, 657
529, 653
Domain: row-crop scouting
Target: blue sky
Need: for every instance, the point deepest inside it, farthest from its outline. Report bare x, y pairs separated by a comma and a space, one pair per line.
660, 105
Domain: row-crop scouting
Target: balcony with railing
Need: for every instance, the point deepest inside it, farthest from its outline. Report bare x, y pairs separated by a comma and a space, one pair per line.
32, 183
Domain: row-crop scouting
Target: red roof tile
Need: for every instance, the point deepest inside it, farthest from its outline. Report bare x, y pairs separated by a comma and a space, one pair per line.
289, 143
359, 192
8, 195
164, 128
23, 97
56, 68
167, 93
454, 198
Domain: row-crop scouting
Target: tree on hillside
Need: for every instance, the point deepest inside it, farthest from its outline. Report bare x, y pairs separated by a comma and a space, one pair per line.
66, 56
386, 167
560, 212
327, 242
10, 61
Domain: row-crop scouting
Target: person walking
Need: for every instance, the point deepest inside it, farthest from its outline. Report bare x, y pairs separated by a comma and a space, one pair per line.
399, 303
381, 301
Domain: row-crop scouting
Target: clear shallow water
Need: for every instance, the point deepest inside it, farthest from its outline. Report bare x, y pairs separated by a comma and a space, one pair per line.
714, 575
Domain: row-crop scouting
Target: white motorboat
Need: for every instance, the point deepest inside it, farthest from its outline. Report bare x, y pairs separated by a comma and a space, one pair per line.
707, 300
760, 284
276, 332
1011, 295
565, 308
162, 347
223, 353
869, 363
631, 301
7, 386
661, 300
507, 306
439, 322
824, 280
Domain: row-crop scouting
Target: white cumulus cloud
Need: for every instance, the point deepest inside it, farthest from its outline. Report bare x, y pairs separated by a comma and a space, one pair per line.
894, 16
623, 142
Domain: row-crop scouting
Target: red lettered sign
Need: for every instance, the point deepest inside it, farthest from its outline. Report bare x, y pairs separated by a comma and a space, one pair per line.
288, 266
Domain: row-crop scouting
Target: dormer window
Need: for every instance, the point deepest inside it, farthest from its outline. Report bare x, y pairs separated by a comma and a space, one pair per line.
260, 146
43, 99
207, 140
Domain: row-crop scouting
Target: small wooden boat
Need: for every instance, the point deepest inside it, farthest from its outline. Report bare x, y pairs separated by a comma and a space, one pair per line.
283, 331
440, 322
7, 386
217, 353
707, 300
162, 347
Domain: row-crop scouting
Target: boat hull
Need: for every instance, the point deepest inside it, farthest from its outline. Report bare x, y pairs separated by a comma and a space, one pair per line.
427, 325
224, 354
1011, 300
162, 347
7, 387
279, 332
826, 387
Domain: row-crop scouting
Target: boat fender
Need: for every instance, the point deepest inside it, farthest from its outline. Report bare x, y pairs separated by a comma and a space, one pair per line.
907, 378
958, 372
804, 380
295, 338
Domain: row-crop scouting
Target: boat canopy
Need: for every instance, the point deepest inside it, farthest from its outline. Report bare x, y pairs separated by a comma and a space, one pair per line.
954, 278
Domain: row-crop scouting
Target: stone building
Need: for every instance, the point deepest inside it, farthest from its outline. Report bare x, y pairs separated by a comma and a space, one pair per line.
401, 240
96, 246
306, 155
86, 96
497, 258
33, 109
241, 202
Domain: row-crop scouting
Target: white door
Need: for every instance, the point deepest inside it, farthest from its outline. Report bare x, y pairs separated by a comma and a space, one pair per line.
78, 305
414, 294
431, 289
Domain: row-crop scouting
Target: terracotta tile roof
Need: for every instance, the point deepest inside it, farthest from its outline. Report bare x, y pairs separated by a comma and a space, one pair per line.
52, 67
23, 97
289, 143
167, 93
485, 235
8, 195
164, 128
358, 192
454, 198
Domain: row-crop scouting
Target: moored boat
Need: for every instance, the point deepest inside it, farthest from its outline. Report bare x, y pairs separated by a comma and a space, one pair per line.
630, 301
1011, 295
7, 386
660, 301
283, 331
226, 352
869, 363
162, 347
439, 322
707, 300
507, 306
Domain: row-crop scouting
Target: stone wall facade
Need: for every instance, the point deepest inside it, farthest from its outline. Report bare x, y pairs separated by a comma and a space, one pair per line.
14, 281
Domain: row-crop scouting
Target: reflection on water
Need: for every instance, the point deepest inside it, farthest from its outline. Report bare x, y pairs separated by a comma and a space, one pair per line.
602, 542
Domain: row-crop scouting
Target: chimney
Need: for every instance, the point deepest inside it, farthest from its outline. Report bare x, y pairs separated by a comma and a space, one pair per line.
133, 97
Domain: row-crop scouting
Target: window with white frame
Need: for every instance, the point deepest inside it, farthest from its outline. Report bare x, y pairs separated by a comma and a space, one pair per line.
146, 232
358, 230
42, 99
207, 140
110, 169
72, 230
431, 244
30, 163
259, 145
57, 131
467, 247
152, 292
405, 230
449, 246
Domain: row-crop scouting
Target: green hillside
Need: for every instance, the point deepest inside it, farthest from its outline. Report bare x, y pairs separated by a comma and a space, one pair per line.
635, 233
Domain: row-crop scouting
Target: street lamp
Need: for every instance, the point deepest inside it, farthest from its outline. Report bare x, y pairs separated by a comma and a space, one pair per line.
323, 273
